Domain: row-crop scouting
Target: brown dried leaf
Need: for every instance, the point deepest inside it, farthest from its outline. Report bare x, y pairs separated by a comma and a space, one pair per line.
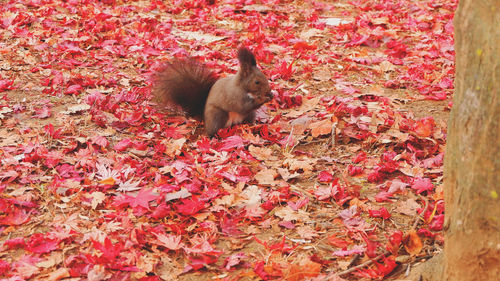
305, 165
408, 207
287, 214
306, 232
412, 243
97, 198
261, 153
319, 128
266, 177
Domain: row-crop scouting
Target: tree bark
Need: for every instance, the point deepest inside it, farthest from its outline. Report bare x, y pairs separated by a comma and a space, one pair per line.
472, 158
472, 161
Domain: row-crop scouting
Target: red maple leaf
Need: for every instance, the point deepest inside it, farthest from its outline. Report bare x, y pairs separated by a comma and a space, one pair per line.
380, 213
16, 216
41, 243
143, 197
422, 184
189, 206
6, 85
110, 251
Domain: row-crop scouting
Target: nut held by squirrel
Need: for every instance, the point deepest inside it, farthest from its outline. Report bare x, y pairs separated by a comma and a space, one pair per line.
221, 103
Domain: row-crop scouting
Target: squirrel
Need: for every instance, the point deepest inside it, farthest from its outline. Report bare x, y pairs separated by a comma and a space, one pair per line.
220, 102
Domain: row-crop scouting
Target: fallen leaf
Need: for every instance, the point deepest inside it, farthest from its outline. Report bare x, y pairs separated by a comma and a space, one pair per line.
266, 177
97, 198
412, 243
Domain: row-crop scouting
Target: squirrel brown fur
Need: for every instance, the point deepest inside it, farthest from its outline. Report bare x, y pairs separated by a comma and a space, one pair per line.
220, 102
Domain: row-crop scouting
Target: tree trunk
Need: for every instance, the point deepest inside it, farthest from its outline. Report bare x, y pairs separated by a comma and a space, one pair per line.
472, 159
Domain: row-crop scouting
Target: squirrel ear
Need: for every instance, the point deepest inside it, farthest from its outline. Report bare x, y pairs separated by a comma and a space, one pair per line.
247, 59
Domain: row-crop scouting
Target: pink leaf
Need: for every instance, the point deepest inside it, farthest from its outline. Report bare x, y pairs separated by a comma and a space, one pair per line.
232, 142
234, 260
100, 141
123, 144
422, 184
172, 242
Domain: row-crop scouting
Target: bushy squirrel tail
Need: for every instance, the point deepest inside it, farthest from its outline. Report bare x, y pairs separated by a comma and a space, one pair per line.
184, 83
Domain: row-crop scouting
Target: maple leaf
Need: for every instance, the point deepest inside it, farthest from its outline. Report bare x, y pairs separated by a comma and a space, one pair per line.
338, 242
183, 193
40, 243
4, 267
395, 241
110, 252
424, 127
387, 267
234, 260
229, 226
172, 242
306, 232
323, 193
288, 214
437, 223
16, 216
103, 173
323, 127
325, 176
380, 213
100, 141
266, 177
356, 249
201, 246
422, 184
299, 204
354, 170
25, 266
202, 181
267, 272
98, 273
15, 243
43, 112
142, 199
304, 270
59, 274
397, 185
123, 144
6, 84
383, 196
361, 156
252, 195
108, 181
128, 186
412, 243
287, 224
9, 175
231, 142
73, 90
190, 206
97, 198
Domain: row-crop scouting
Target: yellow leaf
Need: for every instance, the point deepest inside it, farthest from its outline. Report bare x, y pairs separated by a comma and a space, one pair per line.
108, 181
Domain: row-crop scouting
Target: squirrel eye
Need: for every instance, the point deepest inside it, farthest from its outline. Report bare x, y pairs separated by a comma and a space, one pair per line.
257, 82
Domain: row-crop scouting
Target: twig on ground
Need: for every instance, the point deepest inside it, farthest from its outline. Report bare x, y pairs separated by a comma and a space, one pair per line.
420, 216
368, 262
